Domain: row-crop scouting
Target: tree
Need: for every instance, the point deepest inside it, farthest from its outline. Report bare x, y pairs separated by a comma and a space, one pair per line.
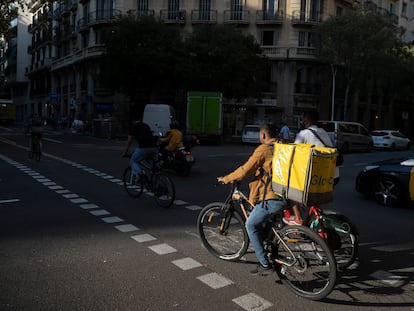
143, 58
355, 43
221, 58
8, 12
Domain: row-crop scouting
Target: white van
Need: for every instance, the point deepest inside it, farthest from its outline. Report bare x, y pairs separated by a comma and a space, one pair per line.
348, 136
159, 117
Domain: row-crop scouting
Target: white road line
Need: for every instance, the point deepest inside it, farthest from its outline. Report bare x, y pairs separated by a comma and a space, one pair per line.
186, 263
79, 200
53, 140
9, 201
193, 207
252, 302
215, 280
141, 238
100, 212
162, 249
388, 278
126, 228
70, 196
111, 220
89, 206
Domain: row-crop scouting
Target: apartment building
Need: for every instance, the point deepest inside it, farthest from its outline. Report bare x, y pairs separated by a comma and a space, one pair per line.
67, 41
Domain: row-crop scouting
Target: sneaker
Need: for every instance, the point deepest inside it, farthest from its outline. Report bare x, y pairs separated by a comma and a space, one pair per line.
292, 221
262, 270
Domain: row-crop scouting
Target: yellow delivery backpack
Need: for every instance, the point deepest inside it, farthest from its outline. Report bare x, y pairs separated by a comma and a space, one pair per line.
304, 173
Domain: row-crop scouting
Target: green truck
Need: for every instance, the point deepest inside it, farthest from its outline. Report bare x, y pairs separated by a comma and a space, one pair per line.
205, 116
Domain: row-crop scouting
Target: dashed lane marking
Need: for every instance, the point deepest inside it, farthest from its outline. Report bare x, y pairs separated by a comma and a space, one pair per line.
215, 280
111, 220
252, 302
162, 249
89, 206
388, 278
141, 238
186, 263
99, 212
9, 201
193, 207
126, 228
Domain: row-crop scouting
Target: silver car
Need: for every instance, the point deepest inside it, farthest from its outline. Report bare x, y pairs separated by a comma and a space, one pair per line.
390, 139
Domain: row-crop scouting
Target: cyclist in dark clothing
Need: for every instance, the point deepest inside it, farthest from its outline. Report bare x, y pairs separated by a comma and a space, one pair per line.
146, 145
35, 128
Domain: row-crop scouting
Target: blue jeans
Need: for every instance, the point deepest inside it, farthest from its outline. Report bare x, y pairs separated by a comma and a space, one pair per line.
140, 154
254, 223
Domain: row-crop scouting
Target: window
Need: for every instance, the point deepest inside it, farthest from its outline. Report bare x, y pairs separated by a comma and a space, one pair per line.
173, 8
142, 6
305, 39
205, 7
404, 9
236, 9
269, 37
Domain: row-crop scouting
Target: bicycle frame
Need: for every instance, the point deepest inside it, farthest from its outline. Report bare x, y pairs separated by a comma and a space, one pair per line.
238, 195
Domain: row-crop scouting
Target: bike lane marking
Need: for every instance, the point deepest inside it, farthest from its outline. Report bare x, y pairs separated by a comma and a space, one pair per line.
213, 280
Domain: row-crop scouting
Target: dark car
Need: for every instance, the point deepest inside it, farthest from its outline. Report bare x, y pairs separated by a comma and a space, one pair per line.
389, 182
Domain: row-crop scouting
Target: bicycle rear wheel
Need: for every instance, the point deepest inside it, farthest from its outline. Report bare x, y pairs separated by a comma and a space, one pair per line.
313, 274
133, 184
164, 190
342, 238
222, 231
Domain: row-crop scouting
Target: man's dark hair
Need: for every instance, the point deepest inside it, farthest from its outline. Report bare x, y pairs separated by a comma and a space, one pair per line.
312, 116
270, 129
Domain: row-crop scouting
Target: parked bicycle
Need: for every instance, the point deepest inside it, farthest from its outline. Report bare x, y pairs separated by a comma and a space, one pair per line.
151, 180
301, 258
35, 150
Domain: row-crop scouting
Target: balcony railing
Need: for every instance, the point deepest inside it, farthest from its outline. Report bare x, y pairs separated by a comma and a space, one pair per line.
140, 13
306, 18
78, 56
204, 16
173, 17
266, 17
103, 16
276, 52
236, 16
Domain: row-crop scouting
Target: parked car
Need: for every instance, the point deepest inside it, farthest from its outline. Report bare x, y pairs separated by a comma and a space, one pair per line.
348, 136
250, 134
390, 139
388, 182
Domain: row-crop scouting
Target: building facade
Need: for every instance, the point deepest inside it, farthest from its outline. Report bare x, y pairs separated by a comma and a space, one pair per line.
65, 41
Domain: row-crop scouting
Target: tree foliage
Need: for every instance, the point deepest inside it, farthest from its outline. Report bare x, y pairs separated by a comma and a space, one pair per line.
223, 58
146, 57
8, 12
143, 56
359, 43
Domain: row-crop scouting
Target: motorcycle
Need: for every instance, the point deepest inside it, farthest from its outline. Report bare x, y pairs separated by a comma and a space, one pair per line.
182, 159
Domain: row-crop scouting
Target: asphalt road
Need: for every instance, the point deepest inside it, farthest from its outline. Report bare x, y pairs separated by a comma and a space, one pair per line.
71, 238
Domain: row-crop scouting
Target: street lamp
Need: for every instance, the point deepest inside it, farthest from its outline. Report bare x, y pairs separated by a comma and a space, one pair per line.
333, 72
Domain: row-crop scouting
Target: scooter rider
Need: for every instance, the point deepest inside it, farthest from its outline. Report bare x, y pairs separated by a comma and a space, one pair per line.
172, 140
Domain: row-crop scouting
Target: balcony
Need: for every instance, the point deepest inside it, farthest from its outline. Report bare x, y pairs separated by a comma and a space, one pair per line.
204, 16
102, 17
79, 56
304, 18
173, 17
140, 13
237, 17
285, 53
269, 18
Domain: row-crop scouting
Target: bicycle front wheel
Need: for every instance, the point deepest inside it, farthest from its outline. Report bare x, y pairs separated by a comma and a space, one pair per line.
222, 231
164, 190
38, 150
312, 272
133, 184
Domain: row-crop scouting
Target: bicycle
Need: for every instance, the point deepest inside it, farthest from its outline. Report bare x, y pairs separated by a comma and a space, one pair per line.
35, 147
151, 179
339, 232
302, 259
